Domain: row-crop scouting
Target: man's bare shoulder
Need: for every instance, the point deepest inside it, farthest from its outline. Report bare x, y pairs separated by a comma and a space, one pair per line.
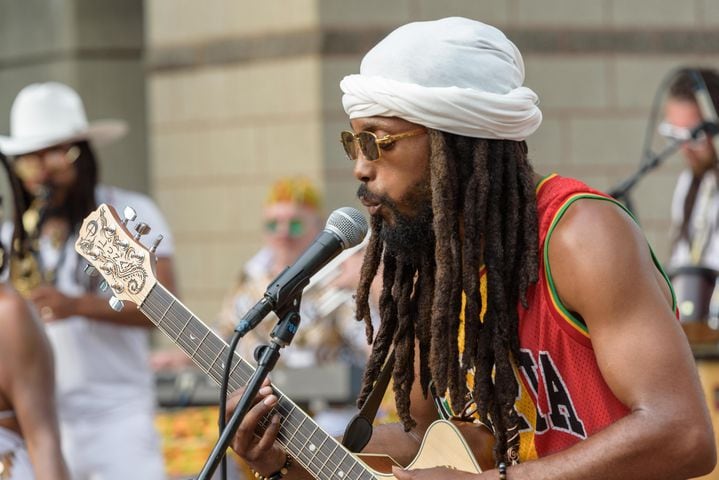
11, 303
16, 318
595, 245
596, 224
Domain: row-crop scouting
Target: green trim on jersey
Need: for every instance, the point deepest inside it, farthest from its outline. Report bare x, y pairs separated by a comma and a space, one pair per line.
578, 323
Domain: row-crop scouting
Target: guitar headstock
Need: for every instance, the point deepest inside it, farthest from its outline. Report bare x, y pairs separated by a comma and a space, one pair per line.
125, 264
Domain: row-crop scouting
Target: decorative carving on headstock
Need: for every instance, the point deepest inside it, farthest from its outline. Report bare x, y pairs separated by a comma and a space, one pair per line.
120, 259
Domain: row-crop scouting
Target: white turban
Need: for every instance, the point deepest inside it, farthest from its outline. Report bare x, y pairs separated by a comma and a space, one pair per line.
455, 75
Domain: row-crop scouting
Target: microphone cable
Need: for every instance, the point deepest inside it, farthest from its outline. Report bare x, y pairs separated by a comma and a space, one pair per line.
221, 421
647, 154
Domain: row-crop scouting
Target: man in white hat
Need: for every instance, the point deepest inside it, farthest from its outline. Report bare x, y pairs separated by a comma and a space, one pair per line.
105, 388
532, 304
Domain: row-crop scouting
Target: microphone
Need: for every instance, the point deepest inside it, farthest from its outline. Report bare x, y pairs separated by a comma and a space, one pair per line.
346, 227
710, 119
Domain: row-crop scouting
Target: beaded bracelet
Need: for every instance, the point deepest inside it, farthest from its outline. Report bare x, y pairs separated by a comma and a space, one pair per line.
278, 474
502, 467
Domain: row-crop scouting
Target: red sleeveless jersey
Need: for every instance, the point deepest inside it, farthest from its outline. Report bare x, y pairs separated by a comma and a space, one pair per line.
563, 397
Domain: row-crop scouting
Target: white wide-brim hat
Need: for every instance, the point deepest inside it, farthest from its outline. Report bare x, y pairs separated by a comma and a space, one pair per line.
48, 114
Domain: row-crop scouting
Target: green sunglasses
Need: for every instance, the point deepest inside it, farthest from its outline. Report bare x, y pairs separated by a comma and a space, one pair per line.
295, 226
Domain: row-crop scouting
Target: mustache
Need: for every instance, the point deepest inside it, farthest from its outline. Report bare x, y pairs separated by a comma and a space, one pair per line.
363, 193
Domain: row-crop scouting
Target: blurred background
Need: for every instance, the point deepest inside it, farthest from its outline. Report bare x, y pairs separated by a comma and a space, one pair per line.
225, 96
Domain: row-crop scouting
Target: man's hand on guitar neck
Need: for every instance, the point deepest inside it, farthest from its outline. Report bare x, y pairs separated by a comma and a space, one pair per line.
261, 453
256, 442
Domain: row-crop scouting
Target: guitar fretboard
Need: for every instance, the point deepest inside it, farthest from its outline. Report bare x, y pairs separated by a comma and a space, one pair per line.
319, 453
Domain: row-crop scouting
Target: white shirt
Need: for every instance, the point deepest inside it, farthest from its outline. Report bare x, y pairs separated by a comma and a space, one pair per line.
702, 246
100, 367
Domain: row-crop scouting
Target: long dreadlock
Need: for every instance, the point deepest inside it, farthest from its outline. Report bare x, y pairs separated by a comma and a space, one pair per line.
485, 187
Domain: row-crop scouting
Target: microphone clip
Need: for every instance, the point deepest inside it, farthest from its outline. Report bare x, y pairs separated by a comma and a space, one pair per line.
285, 330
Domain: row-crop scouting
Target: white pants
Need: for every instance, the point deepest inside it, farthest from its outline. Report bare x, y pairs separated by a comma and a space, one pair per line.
116, 447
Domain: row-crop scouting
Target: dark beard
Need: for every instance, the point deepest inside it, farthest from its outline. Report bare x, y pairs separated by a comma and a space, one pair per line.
410, 238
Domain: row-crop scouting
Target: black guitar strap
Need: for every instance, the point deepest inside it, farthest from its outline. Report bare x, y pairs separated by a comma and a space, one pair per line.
359, 428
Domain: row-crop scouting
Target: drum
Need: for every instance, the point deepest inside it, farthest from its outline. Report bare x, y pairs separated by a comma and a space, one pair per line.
697, 302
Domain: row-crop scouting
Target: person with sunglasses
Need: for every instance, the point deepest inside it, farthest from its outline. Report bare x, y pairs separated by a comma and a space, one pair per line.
105, 387
291, 219
695, 204
533, 301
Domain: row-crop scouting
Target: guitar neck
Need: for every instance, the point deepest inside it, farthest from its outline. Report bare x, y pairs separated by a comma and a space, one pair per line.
319, 453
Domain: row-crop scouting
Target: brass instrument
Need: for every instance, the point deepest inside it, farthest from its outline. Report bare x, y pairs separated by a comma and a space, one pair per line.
25, 272
24, 269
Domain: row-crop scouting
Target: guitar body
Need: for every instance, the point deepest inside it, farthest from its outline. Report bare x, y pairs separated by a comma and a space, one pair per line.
442, 446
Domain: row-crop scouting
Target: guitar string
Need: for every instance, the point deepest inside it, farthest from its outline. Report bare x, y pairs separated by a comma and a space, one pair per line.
279, 408
330, 460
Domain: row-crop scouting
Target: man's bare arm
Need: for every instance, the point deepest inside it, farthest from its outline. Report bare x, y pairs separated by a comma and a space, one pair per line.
603, 270
28, 369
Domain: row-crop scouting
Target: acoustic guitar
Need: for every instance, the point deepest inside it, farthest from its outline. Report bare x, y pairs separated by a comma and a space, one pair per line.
127, 267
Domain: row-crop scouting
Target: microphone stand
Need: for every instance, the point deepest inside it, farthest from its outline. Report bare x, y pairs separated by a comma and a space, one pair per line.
621, 191
281, 335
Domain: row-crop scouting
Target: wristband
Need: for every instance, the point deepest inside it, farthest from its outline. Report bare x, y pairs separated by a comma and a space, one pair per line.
278, 474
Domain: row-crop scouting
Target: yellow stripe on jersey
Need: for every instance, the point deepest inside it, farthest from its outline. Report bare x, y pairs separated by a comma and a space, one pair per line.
543, 181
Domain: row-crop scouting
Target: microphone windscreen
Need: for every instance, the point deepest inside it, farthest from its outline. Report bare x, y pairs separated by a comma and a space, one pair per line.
349, 225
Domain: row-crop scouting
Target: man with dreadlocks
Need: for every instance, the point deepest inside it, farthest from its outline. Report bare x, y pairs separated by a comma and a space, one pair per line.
539, 292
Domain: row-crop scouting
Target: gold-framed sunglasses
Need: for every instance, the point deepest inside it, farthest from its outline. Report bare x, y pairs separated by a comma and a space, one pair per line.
369, 144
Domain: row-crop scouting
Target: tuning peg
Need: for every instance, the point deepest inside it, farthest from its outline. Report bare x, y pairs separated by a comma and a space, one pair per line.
156, 243
116, 304
141, 228
90, 270
103, 286
130, 214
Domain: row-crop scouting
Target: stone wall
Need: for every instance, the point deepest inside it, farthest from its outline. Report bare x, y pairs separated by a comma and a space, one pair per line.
230, 94
241, 92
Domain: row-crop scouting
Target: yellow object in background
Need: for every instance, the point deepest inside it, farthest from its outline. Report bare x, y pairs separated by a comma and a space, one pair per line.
188, 436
